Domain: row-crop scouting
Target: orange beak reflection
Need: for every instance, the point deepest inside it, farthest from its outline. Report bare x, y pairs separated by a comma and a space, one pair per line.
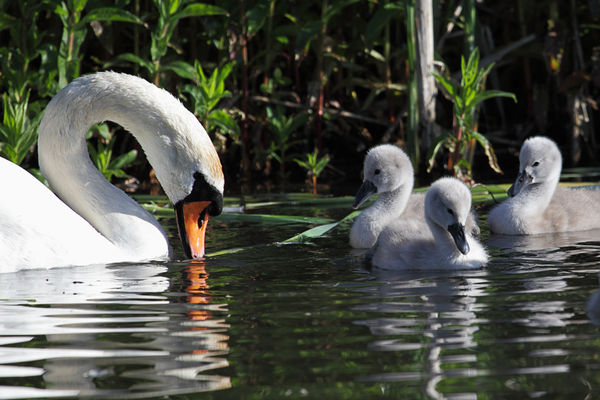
192, 219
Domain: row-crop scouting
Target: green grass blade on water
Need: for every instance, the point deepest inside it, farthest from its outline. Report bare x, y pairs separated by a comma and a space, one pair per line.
163, 211
320, 230
271, 219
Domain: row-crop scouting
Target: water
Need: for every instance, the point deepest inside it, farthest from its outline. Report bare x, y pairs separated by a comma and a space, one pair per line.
307, 321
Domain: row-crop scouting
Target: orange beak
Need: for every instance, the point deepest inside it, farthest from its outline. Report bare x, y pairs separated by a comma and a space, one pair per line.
192, 219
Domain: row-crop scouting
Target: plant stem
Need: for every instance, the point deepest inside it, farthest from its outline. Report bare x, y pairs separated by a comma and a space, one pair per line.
413, 93
245, 96
388, 70
459, 133
321, 77
470, 20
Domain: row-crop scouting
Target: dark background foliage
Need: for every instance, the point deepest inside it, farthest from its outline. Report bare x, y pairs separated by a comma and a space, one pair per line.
336, 71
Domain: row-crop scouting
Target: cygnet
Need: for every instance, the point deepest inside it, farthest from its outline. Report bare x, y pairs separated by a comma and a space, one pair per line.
439, 241
536, 205
388, 171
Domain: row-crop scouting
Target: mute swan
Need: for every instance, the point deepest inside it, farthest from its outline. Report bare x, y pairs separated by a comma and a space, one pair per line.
535, 204
93, 221
440, 241
387, 170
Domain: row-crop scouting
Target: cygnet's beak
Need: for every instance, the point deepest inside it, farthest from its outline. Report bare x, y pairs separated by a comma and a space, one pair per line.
457, 231
366, 190
518, 185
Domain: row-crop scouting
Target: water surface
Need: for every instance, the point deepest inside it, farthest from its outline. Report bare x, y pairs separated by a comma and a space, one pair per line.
307, 321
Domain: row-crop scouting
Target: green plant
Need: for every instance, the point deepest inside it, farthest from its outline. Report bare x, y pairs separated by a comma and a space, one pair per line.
466, 96
74, 32
282, 129
170, 12
206, 93
18, 131
314, 166
102, 155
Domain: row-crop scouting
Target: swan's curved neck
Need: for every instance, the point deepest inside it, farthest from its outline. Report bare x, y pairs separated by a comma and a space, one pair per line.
65, 162
394, 202
537, 197
442, 237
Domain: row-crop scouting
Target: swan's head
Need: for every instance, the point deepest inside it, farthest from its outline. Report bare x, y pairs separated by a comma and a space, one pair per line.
386, 168
192, 178
176, 144
447, 204
539, 162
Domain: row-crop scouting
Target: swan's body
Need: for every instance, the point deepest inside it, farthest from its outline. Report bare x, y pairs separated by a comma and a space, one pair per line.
388, 171
93, 221
440, 241
536, 205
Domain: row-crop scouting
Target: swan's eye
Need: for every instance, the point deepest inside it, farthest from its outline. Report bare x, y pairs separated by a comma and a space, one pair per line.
450, 211
377, 172
535, 164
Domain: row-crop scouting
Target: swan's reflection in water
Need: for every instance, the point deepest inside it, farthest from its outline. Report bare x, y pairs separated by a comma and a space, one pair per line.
140, 329
428, 311
436, 317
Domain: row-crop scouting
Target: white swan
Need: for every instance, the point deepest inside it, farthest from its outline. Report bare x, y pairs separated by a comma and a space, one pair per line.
536, 205
438, 242
98, 223
388, 171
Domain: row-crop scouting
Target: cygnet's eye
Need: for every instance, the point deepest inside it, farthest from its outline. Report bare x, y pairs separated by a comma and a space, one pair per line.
450, 211
535, 164
377, 171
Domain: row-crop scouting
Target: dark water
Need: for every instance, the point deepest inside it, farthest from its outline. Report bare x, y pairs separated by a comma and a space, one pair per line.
307, 321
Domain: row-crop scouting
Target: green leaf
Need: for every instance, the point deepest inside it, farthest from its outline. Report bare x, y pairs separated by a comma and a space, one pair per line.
256, 17
181, 68
196, 10
312, 233
489, 151
435, 148
321, 164
130, 58
488, 94
109, 14
450, 87
335, 7
307, 33
124, 160
320, 230
7, 21
380, 19
272, 219
303, 164
225, 121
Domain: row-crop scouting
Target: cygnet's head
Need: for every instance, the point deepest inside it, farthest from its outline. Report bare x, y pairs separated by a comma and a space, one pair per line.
447, 204
386, 168
539, 162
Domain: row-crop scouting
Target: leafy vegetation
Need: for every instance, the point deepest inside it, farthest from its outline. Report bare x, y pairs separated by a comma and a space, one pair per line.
272, 81
102, 154
466, 97
314, 166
